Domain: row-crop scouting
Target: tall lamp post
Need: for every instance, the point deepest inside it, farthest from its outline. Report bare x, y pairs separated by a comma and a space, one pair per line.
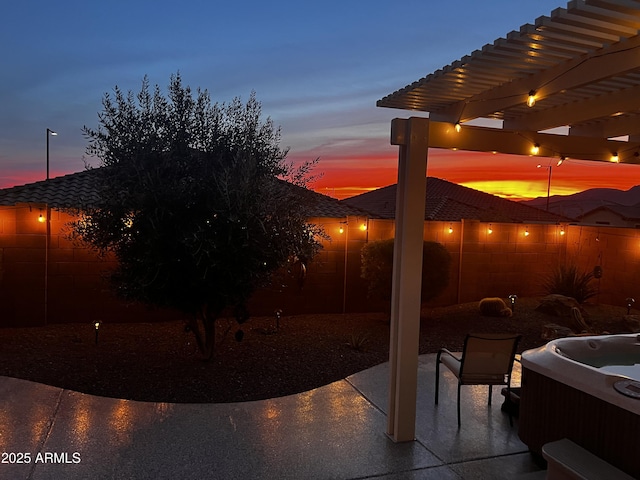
550, 168
52, 133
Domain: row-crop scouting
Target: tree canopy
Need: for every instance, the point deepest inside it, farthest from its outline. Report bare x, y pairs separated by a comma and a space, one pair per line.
193, 200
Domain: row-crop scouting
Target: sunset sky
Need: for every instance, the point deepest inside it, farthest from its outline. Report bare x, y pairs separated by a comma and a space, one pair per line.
318, 70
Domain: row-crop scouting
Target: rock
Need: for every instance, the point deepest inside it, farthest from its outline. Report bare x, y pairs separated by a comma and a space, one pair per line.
551, 331
558, 305
632, 322
578, 323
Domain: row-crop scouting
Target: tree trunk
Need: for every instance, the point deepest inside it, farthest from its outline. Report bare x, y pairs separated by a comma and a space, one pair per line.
205, 335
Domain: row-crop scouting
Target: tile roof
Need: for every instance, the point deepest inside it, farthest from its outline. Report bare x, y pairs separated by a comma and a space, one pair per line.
77, 190
446, 201
69, 191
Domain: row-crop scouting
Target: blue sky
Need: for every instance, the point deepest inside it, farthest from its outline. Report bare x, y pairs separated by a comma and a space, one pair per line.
318, 69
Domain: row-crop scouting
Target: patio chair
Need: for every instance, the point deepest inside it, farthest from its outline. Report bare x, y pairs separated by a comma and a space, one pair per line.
487, 359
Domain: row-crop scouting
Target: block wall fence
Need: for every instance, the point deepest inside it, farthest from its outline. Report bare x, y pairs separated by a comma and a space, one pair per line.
47, 278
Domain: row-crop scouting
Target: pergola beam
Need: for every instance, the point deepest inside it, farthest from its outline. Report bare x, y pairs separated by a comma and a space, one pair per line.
612, 127
626, 100
516, 142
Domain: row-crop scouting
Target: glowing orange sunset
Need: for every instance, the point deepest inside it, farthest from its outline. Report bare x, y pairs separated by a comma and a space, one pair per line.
508, 176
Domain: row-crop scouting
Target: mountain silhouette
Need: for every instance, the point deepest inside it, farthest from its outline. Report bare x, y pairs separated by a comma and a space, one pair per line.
573, 206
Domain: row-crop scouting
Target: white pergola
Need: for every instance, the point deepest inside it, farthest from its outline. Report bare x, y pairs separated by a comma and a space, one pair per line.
577, 68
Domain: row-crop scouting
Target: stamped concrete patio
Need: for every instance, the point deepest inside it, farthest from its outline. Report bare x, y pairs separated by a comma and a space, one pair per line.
336, 431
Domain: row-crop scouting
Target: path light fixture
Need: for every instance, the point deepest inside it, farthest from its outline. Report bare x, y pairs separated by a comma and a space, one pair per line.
512, 298
630, 301
96, 325
53, 134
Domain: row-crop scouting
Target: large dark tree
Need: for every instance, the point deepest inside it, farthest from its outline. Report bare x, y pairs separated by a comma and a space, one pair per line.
192, 201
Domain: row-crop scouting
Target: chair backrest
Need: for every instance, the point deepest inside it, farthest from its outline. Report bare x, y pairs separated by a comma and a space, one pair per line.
488, 358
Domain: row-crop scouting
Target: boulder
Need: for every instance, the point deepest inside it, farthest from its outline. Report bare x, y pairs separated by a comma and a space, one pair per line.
632, 322
551, 331
558, 305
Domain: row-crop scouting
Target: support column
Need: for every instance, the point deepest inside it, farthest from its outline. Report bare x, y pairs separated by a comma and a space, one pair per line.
412, 136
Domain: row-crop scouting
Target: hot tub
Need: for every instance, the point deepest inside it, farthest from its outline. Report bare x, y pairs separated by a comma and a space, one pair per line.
586, 389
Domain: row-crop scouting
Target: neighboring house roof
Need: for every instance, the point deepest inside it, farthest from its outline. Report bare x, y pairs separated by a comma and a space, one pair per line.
446, 201
625, 212
69, 191
77, 190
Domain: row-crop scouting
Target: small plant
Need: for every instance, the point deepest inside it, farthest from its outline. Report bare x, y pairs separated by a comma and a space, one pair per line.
358, 341
568, 281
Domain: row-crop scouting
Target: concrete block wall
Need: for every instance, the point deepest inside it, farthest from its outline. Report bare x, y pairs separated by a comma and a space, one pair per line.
616, 251
503, 262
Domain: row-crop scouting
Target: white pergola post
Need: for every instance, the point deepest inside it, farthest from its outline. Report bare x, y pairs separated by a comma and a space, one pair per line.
412, 136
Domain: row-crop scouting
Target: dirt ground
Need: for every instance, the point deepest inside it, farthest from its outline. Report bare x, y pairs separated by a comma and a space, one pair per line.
159, 361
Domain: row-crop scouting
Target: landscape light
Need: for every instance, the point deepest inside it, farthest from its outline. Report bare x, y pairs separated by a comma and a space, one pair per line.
96, 324
630, 301
512, 299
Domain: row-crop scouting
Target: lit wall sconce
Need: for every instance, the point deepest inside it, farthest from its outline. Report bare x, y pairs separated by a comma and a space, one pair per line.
615, 158
363, 227
450, 228
490, 229
526, 232
41, 218
561, 230
457, 127
535, 149
531, 98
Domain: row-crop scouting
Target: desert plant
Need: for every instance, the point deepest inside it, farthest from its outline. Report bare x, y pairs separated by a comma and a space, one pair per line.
358, 341
377, 269
567, 280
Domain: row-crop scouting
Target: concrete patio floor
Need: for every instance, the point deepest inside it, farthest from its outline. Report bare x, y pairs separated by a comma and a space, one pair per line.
336, 431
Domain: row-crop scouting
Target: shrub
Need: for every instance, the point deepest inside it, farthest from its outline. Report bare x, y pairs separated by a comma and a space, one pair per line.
570, 282
377, 269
